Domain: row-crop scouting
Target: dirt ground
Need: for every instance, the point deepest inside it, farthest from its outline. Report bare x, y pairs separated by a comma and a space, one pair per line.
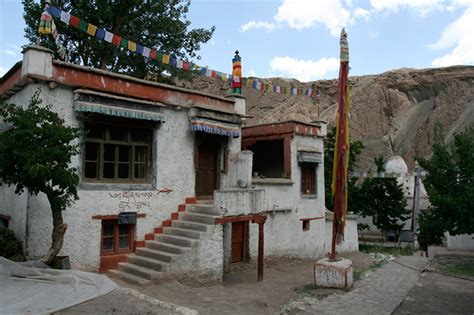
440, 292
240, 293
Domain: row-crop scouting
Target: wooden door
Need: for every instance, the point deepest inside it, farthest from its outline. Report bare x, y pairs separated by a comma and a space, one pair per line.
206, 168
239, 241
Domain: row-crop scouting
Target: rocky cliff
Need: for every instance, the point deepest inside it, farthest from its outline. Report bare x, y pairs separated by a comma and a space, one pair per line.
392, 113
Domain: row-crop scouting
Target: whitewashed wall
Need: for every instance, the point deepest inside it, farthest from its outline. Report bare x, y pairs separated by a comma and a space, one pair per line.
173, 151
284, 235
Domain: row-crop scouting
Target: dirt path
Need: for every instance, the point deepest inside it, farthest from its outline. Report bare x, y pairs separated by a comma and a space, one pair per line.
285, 280
438, 292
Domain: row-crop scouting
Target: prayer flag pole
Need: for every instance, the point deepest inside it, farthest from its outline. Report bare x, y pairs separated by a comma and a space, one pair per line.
341, 152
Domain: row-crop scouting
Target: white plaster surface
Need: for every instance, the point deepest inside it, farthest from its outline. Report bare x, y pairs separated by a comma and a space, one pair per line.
333, 274
351, 236
15, 206
461, 242
204, 263
172, 168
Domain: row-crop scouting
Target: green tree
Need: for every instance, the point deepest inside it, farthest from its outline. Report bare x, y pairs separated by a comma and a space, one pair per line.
450, 187
159, 24
383, 200
353, 191
35, 155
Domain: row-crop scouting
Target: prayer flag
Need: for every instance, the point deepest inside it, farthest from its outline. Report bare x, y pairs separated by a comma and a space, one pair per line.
91, 29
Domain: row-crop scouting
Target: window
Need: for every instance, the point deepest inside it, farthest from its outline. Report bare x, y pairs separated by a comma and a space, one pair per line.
305, 225
116, 153
308, 180
268, 159
117, 238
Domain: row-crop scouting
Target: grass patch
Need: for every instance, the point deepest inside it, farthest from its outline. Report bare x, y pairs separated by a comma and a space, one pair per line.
404, 251
358, 274
465, 269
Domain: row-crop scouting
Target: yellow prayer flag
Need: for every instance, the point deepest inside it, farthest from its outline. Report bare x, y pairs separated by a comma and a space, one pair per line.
91, 29
166, 59
132, 46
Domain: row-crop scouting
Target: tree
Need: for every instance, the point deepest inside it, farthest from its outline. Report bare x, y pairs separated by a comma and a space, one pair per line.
450, 187
355, 149
383, 200
35, 155
159, 24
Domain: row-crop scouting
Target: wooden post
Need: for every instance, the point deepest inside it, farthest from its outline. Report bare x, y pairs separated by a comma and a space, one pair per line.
260, 250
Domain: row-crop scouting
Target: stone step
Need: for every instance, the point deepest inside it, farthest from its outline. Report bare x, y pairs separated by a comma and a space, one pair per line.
155, 254
182, 232
203, 201
139, 271
166, 247
204, 209
176, 240
130, 278
197, 217
148, 262
190, 225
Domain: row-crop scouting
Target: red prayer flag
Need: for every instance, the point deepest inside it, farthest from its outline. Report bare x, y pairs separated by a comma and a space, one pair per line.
341, 150
116, 40
74, 21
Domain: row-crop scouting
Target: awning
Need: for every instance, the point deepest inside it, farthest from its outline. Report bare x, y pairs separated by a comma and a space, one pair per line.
309, 157
118, 111
215, 127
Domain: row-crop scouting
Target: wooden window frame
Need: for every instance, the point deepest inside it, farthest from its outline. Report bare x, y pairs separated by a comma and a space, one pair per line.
308, 177
132, 145
116, 239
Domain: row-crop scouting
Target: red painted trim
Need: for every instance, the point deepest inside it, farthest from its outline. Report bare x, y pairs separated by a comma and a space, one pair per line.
287, 156
309, 219
129, 87
166, 223
111, 261
181, 208
257, 218
191, 200
10, 81
139, 244
158, 230
149, 237
279, 129
114, 216
174, 215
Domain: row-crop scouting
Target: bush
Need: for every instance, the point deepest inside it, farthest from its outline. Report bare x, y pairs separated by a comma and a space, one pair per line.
10, 246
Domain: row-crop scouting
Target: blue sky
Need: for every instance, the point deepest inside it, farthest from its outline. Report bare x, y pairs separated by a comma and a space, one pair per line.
300, 38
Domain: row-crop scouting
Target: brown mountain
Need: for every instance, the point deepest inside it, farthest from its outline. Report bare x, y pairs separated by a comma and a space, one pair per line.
392, 113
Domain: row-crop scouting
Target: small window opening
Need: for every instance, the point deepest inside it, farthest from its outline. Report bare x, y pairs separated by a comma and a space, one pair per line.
305, 225
268, 159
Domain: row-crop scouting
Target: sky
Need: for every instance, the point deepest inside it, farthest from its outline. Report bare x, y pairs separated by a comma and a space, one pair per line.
300, 38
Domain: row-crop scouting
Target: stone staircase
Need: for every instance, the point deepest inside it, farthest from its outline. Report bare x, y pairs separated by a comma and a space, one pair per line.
154, 262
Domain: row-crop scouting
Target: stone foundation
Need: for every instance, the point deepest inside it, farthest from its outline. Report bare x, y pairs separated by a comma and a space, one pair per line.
333, 274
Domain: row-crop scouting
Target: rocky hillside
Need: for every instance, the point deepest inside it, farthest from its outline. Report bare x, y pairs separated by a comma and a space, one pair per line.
392, 113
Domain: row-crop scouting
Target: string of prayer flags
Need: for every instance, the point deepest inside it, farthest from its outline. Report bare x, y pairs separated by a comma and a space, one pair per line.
235, 79
47, 27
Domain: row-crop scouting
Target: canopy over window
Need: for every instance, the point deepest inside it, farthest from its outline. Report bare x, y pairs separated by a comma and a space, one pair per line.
215, 127
86, 107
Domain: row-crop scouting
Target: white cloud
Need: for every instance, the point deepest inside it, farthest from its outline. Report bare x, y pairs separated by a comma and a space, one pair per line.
458, 34
9, 52
305, 70
252, 73
361, 13
423, 6
257, 25
301, 14
3, 70
15, 47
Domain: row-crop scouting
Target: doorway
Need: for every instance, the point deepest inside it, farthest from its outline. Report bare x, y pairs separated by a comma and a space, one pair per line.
240, 240
206, 161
